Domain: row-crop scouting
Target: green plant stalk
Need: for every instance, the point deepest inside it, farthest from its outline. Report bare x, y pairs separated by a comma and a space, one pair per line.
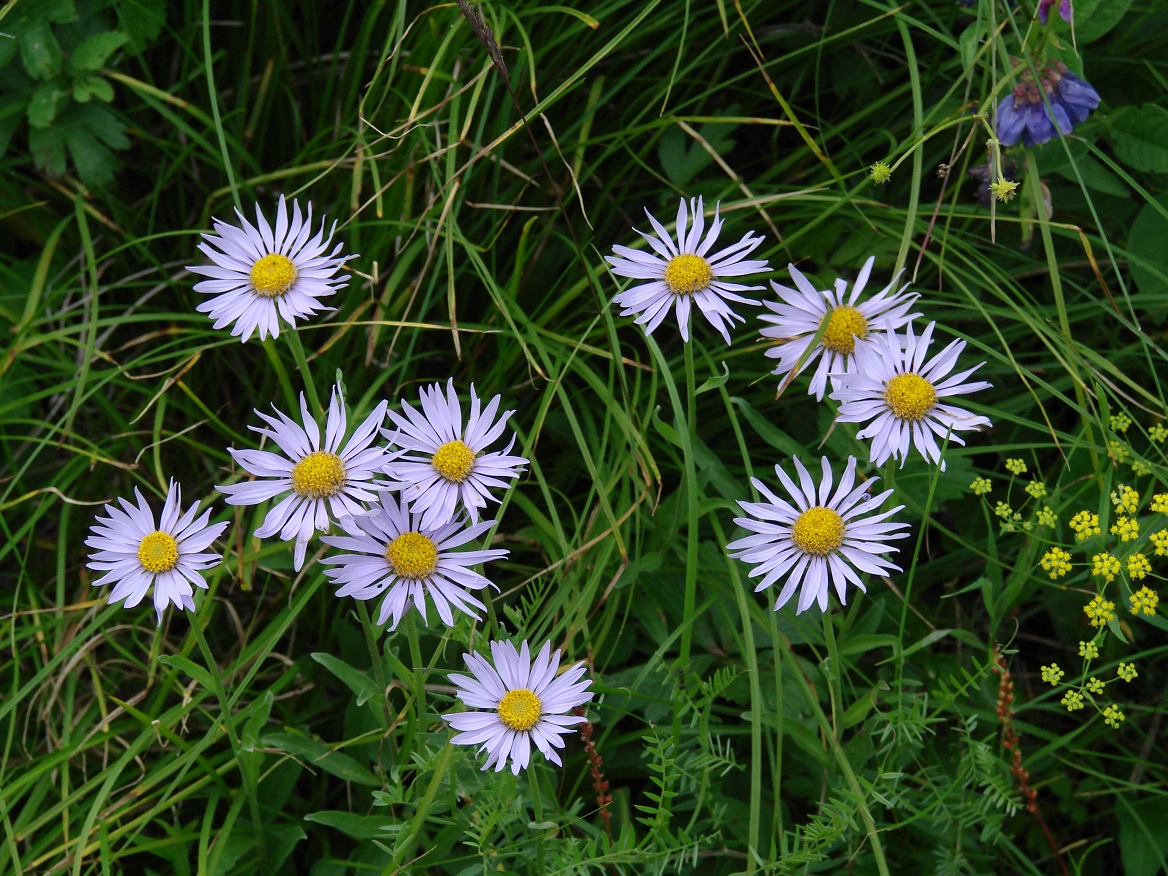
689, 435
422, 810
246, 772
830, 728
371, 633
419, 679
297, 349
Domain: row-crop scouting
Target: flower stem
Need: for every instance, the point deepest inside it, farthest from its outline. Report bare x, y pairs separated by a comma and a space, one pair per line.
297, 348
419, 679
371, 635
831, 670
247, 761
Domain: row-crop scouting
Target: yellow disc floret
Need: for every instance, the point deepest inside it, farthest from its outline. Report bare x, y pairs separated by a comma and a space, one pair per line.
273, 275
910, 396
818, 531
520, 709
319, 475
454, 460
686, 274
158, 552
844, 325
412, 555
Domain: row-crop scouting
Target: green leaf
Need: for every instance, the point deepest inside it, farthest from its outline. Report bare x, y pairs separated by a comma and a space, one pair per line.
250, 736
39, 50
93, 53
356, 826
1095, 18
1145, 243
94, 161
12, 110
317, 754
92, 86
44, 104
862, 644
1140, 137
1143, 845
142, 20
356, 680
189, 667
48, 151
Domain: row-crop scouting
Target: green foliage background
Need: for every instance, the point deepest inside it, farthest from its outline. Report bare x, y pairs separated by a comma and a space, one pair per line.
481, 218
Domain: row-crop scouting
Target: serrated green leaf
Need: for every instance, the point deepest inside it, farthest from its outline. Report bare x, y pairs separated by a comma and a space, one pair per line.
39, 50
1140, 137
91, 86
142, 20
44, 104
93, 53
94, 161
48, 150
102, 123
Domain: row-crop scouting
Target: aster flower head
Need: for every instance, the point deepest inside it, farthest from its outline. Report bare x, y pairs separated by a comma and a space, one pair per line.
681, 272
802, 311
137, 555
905, 396
320, 480
519, 702
390, 548
814, 537
1023, 114
260, 275
444, 463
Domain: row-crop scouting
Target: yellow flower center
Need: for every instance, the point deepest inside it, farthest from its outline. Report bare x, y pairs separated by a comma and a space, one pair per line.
844, 325
158, 552
273, 275
818, 531
686, 274
412, 555
319, 475
910, 396
519, 709
454, 461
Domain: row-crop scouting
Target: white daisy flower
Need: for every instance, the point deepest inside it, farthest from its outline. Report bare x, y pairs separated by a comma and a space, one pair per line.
523, 702
445, 464
681, 274
892, 385
259, 275
136, 554
803, 311
391, 548
815, 538
323, 482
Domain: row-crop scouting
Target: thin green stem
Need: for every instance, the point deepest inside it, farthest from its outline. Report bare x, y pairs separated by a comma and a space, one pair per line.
689, 429
372, 634
832, 672
247, 764
419, 679
418, 818
297, 349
